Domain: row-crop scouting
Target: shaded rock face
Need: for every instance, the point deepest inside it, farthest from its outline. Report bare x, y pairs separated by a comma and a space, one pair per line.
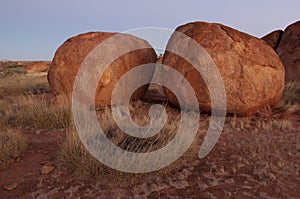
273, 38
288, 49
70, 55
36, 67
252, 72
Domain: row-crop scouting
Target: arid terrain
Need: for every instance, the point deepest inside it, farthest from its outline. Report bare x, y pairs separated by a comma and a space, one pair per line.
256, 156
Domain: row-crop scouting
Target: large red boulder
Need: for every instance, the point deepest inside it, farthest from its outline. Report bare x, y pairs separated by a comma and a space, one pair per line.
289, 52
252, 72
70, 55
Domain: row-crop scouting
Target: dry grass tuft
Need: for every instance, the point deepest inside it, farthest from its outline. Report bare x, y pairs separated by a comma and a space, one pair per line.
34, 112
291, 95
12, 144
75, 156
241, 124
16, 85
284, 125
20, 107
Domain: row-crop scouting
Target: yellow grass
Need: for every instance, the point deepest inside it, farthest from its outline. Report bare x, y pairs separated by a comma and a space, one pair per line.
34, 112
19, 107
75, 156
12, 144
16, 85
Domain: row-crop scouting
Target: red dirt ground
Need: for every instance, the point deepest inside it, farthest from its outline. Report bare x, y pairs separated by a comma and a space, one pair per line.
247, 163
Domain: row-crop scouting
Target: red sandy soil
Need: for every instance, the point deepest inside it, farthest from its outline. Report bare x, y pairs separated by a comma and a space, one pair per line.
248, 163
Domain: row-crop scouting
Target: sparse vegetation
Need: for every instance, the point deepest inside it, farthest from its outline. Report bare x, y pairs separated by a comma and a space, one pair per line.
9, 68
8, 64
241, 124
291, 95
284, 125
20, 107
12, 144
17, 85
34, 112
75, 156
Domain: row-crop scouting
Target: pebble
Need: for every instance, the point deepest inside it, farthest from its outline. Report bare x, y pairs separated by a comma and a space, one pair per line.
46, 169
10, 187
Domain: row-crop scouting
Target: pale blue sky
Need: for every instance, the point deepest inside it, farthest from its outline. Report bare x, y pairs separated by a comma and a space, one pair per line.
34, 29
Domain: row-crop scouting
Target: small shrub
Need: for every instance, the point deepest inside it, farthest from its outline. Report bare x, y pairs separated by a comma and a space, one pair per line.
11, 65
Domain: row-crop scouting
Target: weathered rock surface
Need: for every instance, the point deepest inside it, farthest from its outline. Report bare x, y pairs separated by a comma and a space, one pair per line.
252, 72
289, 52
288, 48
70, 55
273, 38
